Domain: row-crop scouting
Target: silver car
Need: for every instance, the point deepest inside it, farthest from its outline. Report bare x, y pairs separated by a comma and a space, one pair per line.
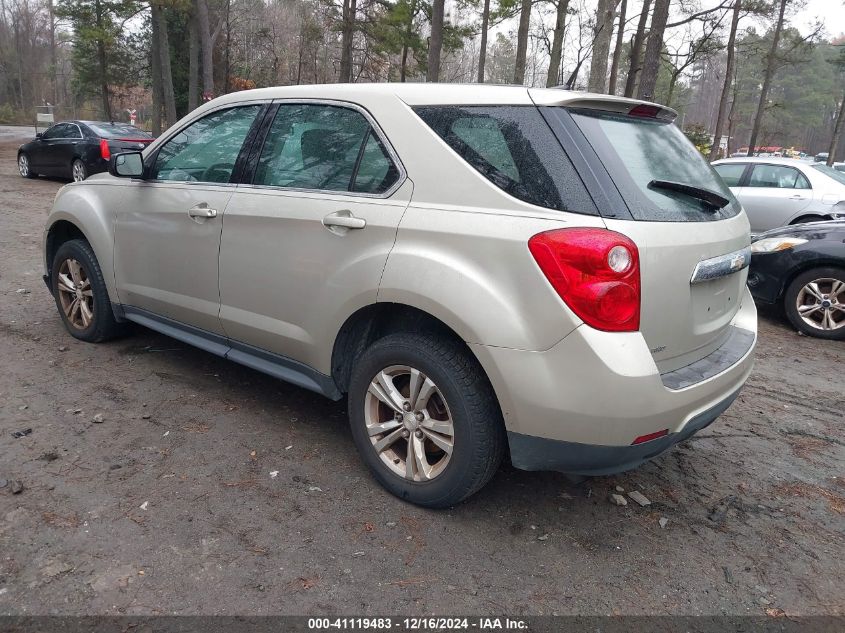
781, 191
479, 270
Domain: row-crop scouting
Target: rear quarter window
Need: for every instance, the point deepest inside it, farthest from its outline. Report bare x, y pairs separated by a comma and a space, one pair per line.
514, 148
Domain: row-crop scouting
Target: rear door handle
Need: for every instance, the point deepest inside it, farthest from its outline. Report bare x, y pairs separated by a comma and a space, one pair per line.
798, 197
341, 221
202, 210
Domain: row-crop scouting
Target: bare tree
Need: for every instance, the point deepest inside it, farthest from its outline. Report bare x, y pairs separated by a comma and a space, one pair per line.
634, 64
193, 62
653, 49
436, 42
522, 42
771, 63
557, 44
601, 45
347, 34
206, 48
726, 90
837, 133
617, 50
482, 51
159, 23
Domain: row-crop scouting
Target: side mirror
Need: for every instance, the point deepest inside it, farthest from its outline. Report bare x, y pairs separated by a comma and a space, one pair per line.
39, 134
127, 165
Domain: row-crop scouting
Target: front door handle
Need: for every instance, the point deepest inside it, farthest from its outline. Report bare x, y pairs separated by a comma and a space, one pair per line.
202, 210
341, 221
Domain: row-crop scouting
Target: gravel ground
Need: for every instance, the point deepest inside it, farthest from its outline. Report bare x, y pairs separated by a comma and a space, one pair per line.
168, 504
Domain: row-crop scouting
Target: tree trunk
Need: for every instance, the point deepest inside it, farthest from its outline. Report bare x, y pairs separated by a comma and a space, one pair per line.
617, 51
155, 71
193, 63
837, 133
53, 60
522, 42
102, 63
347, 34
601, 45
767, 79
726, 89
436, 41
207, 50
482, 53
653, 49
163, 52
637, 51
552, 79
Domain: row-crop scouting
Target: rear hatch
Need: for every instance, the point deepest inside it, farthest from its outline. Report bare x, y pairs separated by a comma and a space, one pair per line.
660, 192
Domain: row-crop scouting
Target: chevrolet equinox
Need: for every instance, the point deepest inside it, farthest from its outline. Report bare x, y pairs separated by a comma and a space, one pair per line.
480, 270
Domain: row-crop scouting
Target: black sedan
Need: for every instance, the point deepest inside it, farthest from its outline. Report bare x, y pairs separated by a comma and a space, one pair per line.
77, 149
802, 267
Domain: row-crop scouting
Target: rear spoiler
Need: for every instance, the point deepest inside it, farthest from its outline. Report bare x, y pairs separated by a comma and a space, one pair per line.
605, 103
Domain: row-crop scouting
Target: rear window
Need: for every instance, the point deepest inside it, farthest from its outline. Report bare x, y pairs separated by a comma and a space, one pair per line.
638, 150
117, 130
830, 172
514, 148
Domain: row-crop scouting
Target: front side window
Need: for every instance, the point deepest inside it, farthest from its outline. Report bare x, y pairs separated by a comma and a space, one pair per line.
324, 148
778, 177
61, 130
207, 149
731, 173
514, 148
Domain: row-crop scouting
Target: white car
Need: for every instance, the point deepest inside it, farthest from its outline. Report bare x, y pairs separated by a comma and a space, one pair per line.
780, 191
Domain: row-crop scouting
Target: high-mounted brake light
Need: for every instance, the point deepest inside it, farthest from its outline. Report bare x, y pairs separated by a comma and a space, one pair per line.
596, 272
644, 110
105, 152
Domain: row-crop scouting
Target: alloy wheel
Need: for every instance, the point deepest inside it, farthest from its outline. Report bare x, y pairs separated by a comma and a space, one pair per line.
75, 294
821, 303
23, 165
409, 423
78, 171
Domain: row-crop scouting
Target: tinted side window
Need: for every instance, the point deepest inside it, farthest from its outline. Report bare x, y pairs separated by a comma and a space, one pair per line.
514, 148
376, 172
60, 130
731, 173
312, 146
207, 149
778, 177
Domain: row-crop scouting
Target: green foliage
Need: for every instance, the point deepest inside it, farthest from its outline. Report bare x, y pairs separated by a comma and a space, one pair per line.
700, 137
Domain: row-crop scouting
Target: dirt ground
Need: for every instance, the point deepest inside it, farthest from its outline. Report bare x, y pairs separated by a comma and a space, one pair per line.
168, 506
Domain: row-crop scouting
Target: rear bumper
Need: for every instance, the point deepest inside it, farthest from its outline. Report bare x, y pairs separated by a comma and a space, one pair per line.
579, 406
536, 453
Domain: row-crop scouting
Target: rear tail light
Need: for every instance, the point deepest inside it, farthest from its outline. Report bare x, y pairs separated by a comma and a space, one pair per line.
596, 272
105, 152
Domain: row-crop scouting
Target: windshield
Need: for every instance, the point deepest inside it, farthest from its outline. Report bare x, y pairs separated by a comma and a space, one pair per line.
830, 172
118, 130
638, 151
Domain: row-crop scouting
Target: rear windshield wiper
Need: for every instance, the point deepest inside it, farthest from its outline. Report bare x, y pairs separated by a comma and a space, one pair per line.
711, 198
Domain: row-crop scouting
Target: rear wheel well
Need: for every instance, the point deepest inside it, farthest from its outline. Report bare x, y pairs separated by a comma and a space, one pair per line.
61, 232
812, 217
376, 321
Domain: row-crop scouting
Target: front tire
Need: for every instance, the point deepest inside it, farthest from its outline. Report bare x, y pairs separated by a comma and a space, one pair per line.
815, 303
81, 295
24, 167
425, 419
78, 171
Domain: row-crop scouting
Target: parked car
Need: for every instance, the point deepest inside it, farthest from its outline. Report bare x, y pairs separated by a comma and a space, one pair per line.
77, 149
479, 269
780, 191
822, 157
839, 166
802, 268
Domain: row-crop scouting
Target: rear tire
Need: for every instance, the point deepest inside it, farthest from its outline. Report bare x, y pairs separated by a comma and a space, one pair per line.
81, 295
815, 303
454, 396
78, 171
